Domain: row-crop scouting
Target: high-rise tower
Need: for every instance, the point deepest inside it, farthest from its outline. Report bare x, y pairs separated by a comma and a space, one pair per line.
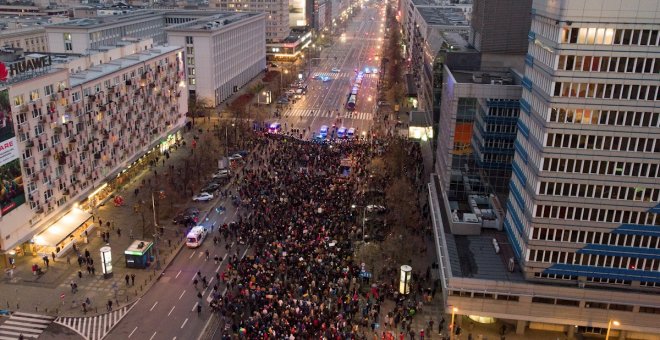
584, 201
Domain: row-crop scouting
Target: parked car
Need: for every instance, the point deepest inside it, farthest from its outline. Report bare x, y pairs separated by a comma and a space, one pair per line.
335, 70
203, 197
223, 173
189, 215
211, 187
274, 127
379, 209
341, 132
235, 157
350, 133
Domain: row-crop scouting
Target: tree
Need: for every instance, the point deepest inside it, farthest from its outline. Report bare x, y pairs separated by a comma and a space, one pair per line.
199, 107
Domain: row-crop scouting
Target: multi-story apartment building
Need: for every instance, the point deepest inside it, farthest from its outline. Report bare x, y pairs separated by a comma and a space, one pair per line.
579, 248
585, 200
31, 39
277, 20
70, 127
224, 50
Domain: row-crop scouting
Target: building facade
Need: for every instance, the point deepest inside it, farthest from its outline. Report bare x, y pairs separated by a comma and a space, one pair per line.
224, 49
277, 18
491, 34
223, 52
584, 207
31, 39
580, 246
76, 126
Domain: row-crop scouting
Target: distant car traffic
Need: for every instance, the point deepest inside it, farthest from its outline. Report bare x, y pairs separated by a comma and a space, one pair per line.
350, 133
323, 131
341, 132
335, 70
203, 197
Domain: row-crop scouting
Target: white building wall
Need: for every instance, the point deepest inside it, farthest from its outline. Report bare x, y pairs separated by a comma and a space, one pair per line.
225, 57
58, 143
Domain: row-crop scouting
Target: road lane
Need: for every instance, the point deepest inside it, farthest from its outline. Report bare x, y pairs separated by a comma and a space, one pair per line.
169, 308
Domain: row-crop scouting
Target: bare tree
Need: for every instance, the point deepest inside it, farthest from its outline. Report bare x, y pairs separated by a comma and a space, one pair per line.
199, 107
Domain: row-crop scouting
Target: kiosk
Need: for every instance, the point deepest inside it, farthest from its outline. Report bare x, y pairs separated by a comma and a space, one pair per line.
139, 254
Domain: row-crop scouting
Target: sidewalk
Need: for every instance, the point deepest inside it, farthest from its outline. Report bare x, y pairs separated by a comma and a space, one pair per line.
434, 310
51, 292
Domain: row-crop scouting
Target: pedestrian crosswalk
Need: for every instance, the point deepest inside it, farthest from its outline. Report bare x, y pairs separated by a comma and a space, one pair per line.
29, 325
94, 327
326, 113
331, 75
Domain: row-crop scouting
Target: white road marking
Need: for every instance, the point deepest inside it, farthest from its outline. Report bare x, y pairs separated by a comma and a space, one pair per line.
154, 306
184, 291
184, 323
207, 287
152, 336
168, 314
195, 306
134, 329
191, 255
177, 275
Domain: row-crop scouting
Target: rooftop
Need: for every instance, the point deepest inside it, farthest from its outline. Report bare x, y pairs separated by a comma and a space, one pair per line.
214, 21
139, 15
498, 77
444, 16
476, 256
104, 20
103, 70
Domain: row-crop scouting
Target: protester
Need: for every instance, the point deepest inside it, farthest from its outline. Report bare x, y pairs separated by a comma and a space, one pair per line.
301, 280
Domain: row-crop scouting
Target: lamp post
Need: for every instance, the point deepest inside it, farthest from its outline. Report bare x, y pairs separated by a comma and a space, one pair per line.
609, 327
161, 194
226, 145
454, 310
364, 217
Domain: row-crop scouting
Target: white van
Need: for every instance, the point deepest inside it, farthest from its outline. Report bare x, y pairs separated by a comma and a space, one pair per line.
196, 236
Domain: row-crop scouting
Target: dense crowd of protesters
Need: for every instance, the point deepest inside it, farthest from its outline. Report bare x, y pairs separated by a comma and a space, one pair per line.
300, 279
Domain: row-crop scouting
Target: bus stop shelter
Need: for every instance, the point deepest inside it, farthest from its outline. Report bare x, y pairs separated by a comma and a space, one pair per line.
139, 254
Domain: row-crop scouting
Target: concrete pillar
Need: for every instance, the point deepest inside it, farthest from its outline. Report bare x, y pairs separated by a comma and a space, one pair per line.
520, 327
570, 333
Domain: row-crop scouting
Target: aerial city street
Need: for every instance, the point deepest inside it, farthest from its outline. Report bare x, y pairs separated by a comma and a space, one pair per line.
330, 169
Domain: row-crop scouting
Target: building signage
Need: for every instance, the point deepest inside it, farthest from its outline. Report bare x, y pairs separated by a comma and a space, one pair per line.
27, 65
12, 192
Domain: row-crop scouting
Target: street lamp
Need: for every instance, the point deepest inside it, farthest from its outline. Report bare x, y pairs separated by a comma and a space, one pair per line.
609, 327
364, 217
454, 310
161, 194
